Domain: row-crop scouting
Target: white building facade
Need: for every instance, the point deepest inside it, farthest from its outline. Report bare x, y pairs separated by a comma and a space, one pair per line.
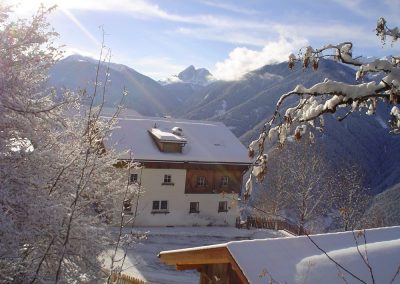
191, 172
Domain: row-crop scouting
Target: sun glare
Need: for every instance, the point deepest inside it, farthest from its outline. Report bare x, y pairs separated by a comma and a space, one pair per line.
26, 8
78, 24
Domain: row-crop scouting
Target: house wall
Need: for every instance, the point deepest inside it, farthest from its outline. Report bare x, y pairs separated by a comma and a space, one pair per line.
152, 179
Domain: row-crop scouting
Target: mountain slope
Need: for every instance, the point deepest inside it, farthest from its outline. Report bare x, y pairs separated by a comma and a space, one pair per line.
385, 209
252, 98
145, 95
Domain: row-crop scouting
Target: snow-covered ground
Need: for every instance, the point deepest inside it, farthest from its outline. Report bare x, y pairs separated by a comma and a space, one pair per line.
142, 261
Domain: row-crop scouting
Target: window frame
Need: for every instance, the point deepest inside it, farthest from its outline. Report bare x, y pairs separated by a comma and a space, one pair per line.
157, 207
195, 208
224, 207
224, 180
201, 181
160, 206
167, 180
164, 203
133, 178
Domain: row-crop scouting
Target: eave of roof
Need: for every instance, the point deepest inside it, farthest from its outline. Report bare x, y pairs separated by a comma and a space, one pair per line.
189, 162
197, 257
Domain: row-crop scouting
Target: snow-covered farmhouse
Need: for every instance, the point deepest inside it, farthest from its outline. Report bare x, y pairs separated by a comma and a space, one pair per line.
297, 259
192, 171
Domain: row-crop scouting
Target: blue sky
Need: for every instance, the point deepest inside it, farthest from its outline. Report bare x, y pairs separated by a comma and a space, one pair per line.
160, 38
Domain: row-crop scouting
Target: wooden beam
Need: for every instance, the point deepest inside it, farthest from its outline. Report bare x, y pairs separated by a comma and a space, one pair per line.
188, 266
196, 256
237, 269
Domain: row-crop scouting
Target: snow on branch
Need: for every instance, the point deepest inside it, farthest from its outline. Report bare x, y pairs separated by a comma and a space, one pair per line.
382, 30
327, 96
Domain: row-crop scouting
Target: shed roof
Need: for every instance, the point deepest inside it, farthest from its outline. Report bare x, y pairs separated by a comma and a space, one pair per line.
206, 141
298, 260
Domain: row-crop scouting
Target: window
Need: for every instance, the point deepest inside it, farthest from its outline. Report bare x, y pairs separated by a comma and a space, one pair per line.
223, 206
164, 205
127, 206
194, 207
160, 206
167, 180
133, 178
224, 181
201, 181
156, 205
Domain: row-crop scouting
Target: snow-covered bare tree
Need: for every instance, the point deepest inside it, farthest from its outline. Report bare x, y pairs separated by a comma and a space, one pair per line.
272, 196
298, 185
349, 198
57, 177
301, 187
310, 104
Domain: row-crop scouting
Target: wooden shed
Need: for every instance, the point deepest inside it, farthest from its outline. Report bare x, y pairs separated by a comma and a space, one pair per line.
301, 259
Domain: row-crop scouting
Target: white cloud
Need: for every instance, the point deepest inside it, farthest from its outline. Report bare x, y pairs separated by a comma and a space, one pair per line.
242, 60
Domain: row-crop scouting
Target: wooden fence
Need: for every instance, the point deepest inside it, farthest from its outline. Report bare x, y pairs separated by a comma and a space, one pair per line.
272, 224
125, 279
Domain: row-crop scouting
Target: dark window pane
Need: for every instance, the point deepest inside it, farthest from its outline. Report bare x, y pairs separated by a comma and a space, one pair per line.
222, 206
133, 178
201, 181
224, 180
194, 207
164, 205
167, 178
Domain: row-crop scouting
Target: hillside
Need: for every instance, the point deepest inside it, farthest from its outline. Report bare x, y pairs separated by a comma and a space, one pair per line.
385, 210
244, 103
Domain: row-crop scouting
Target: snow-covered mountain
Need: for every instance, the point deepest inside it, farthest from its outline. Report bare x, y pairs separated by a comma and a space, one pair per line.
191, 75
144, 95
187, 83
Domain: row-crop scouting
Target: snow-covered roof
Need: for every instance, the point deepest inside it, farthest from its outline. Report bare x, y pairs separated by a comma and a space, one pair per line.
206, 141
298, 260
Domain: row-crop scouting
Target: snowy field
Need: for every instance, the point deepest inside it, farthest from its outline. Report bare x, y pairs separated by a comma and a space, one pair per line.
143, 263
